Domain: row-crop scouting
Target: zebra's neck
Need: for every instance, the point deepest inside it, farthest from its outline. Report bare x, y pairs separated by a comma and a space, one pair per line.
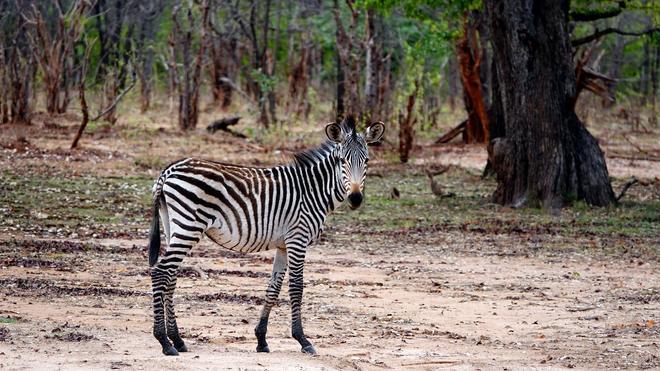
320, 178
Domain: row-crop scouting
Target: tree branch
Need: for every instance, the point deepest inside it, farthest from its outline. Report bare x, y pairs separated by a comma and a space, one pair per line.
117, 99
588, 14
598, 34
237, 89
625, 188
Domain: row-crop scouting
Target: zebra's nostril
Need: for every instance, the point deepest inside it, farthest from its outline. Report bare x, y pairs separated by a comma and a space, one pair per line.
355, 199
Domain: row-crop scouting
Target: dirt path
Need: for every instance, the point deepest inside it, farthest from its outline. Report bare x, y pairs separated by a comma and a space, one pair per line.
368, 305
410, 283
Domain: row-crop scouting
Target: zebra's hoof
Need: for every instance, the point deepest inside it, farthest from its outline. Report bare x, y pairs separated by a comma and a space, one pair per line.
263, 349
181, 348
309, 349
170, 351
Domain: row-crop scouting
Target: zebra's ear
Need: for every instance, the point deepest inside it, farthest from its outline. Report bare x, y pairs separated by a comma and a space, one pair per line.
374, 132
334, 133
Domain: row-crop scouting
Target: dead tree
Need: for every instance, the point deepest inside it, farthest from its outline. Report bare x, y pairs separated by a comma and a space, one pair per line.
406, 126
17, 65
188, 74
373, 61
84, 108
260, 79
299, 80
149, 13
349, 52
117, 23
52, 34
224, 54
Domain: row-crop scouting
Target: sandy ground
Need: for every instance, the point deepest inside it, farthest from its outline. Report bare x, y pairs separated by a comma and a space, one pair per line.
370, 305
456, 299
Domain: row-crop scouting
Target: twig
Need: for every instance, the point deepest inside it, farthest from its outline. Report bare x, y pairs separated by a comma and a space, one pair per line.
237, 89
194, 269
626, 186
637, 147
442, 362
585, 309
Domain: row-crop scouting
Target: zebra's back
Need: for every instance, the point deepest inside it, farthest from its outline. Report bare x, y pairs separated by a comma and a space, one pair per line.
240, 208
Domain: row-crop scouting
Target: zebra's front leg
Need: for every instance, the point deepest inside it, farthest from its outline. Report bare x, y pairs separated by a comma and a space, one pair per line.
273, 291
296, 257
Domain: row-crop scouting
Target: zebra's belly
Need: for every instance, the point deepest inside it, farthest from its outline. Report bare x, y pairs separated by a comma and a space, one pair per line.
234, 243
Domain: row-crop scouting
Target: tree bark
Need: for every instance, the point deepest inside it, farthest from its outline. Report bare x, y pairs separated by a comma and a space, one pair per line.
406, 126
470, 57
545, 157
371, 70
341, 77
181, 42
349, 53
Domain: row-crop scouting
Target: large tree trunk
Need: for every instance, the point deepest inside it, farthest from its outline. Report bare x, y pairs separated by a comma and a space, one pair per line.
470, 58
546, 157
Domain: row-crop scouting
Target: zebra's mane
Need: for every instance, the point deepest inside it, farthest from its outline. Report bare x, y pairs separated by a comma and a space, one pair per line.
313, 156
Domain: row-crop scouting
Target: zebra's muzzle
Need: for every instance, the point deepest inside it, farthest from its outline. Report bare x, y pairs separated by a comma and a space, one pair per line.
355, 200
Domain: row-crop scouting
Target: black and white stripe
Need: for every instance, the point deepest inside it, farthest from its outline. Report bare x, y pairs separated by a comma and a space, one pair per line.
252, 209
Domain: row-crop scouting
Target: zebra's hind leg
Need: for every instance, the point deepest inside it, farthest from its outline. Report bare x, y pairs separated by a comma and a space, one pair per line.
160, 281
273, 291
172, 328
163, 277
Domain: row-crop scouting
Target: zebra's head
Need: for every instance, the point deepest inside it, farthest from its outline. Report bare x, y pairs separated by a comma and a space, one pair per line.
354, 155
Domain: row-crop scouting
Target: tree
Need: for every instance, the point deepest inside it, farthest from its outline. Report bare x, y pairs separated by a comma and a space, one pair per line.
54, 50
17, 65
188, 75
470, 57
545, 156
116, 22
149, 12
349, 51
223, 52
260, 78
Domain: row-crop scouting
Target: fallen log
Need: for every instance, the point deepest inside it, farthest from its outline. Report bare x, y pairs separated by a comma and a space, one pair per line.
452, 133
224, 124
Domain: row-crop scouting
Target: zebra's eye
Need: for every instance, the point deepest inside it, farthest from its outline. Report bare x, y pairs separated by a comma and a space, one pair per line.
366, 161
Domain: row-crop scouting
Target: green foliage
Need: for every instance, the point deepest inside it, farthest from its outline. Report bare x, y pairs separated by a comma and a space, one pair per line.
266, 83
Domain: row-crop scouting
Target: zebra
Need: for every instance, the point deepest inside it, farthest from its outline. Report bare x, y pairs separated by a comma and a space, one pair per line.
252, 209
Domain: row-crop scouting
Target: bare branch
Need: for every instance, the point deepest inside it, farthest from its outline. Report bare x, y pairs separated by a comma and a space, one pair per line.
116, 101
598, 34
590, 14
237, 89
626, 186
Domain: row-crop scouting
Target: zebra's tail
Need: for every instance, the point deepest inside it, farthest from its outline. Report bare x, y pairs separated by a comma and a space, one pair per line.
154, 235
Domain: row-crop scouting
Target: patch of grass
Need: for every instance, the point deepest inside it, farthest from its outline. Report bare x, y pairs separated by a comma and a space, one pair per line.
38, 203
7, 320
149, 162
471, 211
